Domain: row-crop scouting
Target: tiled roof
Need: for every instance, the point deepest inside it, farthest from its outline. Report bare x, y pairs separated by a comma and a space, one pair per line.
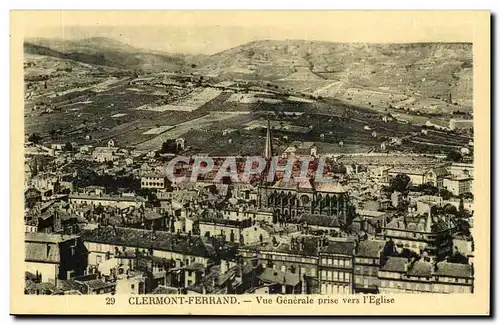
395, 264
440, 171
339, 247
320, 220
43, 287
41, 252
107, 198
98, 284
370, 248
151, 215
38, 237
195, 267
454, 270
29, 276
280, 277
163, 290
420, 268
159, 240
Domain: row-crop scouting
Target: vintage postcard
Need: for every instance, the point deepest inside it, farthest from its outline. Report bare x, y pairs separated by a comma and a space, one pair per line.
250, 162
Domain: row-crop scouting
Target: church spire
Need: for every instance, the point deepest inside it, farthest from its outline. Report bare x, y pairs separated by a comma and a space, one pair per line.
268, 151
428, 222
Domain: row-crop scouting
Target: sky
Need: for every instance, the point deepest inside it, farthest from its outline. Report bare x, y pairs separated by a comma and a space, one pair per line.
173, 39
208, 32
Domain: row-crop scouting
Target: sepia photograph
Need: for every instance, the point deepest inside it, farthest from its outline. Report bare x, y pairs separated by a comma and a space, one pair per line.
185, 160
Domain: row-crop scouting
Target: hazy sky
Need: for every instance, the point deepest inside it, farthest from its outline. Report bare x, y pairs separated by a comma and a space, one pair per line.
187, 39
209, 32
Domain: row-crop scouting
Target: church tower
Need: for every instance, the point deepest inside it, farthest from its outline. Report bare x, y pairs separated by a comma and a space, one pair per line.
268, 156
268, 150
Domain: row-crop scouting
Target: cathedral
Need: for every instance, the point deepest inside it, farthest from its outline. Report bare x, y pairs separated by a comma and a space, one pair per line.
289, 200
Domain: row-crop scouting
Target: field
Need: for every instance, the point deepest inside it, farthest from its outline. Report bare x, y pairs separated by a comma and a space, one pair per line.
193, 101
334, 95
158, 130
209, 123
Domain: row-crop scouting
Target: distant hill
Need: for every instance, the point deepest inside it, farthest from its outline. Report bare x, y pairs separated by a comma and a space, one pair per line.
104, 52
431, 69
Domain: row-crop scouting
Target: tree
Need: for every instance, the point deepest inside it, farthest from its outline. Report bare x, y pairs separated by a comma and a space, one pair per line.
458, 257
170, 146
445, 194
68, 147
427, 189
450, 209
400, 183
35, 138
52, 133
454, 156
461, 206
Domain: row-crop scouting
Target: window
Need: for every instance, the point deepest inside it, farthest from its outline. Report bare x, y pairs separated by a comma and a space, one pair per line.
323, 274
329, 275
335, 262
98, 259
335, 275
190, 273
132, 286
341, 263
347, 263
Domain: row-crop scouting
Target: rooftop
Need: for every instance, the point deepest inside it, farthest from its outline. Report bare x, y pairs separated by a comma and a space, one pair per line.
339, 247
370, 248
420, 268
160, 240
106, 197
48, 238
319, 220
279, 277
163, 290
454, 270
395, 264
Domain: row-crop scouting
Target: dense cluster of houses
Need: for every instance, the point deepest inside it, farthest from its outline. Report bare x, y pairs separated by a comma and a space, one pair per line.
137, 233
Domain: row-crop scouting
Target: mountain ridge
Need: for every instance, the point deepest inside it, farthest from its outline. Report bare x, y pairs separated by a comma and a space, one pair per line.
102, 51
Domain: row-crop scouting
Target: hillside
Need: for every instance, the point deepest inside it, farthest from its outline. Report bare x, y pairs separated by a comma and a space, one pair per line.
427, 69
103, 52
